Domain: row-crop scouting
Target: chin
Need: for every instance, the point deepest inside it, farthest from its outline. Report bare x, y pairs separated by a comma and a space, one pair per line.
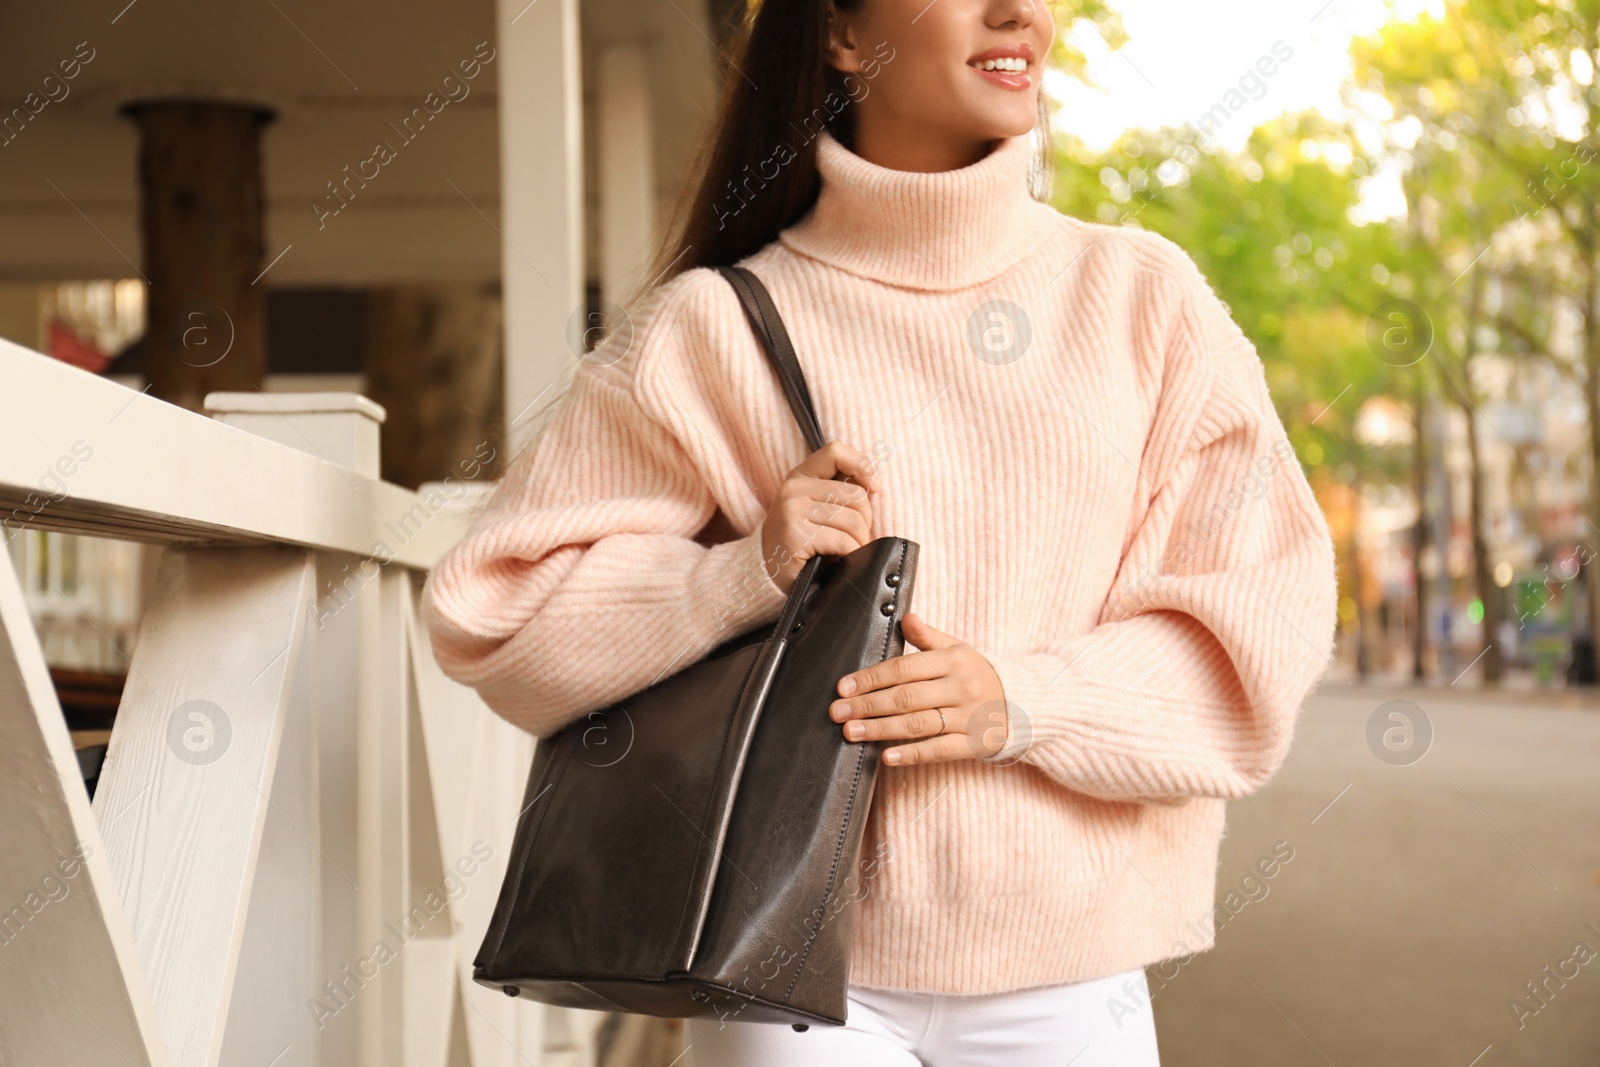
1017, 129
1007, 127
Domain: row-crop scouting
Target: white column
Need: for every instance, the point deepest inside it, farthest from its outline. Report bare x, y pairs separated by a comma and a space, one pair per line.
541, 198
627, 173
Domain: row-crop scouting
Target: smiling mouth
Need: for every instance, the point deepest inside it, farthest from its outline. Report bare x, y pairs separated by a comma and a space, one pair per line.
1007, 64
1006, 67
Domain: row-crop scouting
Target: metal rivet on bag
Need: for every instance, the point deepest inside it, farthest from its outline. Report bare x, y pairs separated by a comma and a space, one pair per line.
700, 995
888, 607
510, 990
893, 579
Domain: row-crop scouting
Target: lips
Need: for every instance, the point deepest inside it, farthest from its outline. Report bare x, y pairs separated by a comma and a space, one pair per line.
1007, 66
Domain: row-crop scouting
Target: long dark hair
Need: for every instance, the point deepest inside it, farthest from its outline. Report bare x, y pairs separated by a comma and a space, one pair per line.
757, 169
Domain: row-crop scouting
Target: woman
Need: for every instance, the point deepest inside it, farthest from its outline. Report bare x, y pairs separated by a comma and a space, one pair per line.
1125, 585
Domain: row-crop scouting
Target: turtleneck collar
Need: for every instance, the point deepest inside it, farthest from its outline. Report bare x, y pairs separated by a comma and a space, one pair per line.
941, 230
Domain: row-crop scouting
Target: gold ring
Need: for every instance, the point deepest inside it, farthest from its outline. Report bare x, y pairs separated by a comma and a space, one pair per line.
942, 726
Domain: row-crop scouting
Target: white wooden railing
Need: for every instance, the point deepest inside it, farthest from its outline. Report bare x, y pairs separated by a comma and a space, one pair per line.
301, 825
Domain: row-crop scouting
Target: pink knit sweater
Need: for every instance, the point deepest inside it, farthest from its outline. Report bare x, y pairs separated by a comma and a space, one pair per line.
1081, 441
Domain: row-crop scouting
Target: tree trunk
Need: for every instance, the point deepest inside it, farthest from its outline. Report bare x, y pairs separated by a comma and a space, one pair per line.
1591, 398
1482, 569
200, 220
1358, 579
1419, 532
1588, 242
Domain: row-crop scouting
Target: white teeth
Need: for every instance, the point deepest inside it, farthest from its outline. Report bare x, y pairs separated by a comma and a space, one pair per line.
1010, 64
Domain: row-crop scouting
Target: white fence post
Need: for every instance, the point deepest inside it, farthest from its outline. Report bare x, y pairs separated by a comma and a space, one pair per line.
355, 1000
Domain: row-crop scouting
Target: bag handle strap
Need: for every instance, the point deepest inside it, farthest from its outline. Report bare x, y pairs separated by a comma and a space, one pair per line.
774, 338
769, 328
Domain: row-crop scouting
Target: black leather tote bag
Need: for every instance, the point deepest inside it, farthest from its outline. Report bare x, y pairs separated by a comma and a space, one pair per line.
692, 849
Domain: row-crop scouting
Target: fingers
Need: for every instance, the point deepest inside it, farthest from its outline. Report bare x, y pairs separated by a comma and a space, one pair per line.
918, 724
925, 637
897, 670
813, 527
945, 748
820, 514
898, 700
836, 457
839, 505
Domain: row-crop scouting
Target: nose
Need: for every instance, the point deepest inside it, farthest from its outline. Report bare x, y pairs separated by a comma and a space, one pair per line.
1018, 14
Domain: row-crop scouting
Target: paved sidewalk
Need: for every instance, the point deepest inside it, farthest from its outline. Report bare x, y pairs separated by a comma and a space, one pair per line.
1422, 894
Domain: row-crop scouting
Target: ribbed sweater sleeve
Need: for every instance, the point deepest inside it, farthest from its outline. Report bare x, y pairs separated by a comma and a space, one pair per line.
582, 580
1222, 614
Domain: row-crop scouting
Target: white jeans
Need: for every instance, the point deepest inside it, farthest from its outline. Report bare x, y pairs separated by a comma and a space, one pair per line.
1076, 1024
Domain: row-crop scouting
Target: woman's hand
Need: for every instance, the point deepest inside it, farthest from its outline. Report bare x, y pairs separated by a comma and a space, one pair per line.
902, 699
814, 514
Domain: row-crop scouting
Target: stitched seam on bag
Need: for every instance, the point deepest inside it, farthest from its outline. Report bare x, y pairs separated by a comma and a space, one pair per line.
522, 861
855, 789
838, 852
